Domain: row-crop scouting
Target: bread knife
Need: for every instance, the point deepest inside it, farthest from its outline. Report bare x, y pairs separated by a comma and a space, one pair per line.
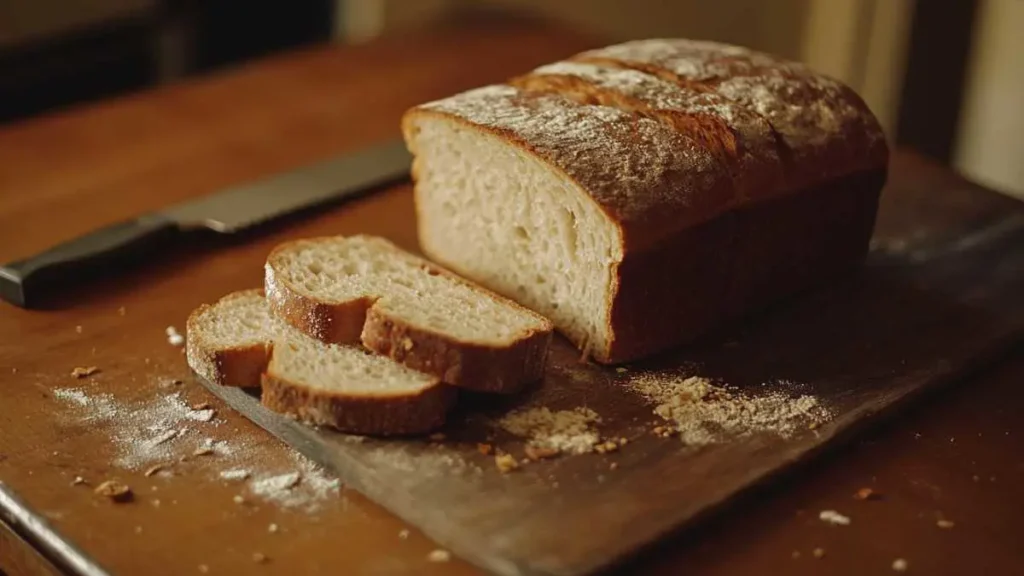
226, 212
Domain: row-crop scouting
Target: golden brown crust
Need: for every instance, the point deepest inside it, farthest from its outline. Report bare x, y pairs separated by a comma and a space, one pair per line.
239, 366
487, 368
376, 415
471, 366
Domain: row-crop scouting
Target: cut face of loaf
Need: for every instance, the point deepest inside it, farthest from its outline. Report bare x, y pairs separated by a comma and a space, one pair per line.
639, 204
238, 342
366, 289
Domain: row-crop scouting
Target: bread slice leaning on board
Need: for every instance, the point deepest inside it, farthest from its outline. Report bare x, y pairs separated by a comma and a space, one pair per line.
645, 194
237, 341
364, 289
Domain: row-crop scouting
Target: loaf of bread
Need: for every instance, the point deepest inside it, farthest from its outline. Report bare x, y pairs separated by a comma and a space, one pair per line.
648, 193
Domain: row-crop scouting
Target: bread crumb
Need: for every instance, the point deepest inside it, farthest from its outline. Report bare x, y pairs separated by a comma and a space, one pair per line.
833, 517
945, 524
153, 470
795, 554
436, 436
122, 311
540, 452
138, 529
975, 478
175, 339
819, 552
605, 447
259, 558
439, 556
505, 463
238, 499
238, 474
621, 370
203, 568
485, 449
114, 490
866, 494
78, 329
155, 503
613, 466
403, 534
272, 528
84, 372
406, 344
200, 406
203, 451
78, 480
569, 431
900, 565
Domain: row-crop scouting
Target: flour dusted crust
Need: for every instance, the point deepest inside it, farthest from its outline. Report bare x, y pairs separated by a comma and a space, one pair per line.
826, 129
648, 177
736, 178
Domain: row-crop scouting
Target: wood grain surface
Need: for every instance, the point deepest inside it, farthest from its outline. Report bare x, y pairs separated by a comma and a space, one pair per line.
66, 174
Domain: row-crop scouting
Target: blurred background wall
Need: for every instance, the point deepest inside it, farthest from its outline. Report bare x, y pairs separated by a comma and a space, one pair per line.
946, 78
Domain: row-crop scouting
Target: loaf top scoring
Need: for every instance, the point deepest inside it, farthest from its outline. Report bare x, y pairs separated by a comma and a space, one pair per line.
654, 176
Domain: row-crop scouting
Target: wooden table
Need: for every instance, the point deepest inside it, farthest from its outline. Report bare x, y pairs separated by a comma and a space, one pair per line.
955, 457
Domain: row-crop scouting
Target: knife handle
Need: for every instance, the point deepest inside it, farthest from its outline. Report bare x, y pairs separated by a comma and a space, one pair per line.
21, 282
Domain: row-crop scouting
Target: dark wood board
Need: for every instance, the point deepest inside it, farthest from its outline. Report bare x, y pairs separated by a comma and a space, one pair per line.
937, 298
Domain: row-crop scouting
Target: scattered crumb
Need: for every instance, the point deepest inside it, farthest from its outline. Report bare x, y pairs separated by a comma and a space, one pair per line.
621, 370
439, 556
259, 558
406, 344
154, 469
238, 499
945, 524
505, 463
84, 372
975, 478
78, 480
703, 412
524, 461
795, 554
485, 449
204, 568
604, 447
138, 529
114, 490
403, 534
568, 431
122, 311
203, 451
78, 329
899, 565
155, 502
200, 406
833, 517
272, 528
540, 452
14, 370
866, 494
613, 466
623, 441
818, 552
917, 435
436, 437
237, 474
173, 338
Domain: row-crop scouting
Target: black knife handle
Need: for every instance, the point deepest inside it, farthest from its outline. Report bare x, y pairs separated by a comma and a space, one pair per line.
21, 282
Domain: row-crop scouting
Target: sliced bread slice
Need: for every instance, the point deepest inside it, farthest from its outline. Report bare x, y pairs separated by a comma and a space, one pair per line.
366, 289
238, 342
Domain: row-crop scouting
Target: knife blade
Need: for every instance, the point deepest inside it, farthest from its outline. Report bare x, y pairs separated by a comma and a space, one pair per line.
228, 211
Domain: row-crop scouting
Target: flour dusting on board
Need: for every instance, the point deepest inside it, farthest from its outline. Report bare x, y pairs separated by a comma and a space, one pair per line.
568, 431
164, 431
703, 412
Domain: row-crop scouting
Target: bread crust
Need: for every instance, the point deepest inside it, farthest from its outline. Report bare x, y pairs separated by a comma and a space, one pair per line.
375, 414
239, 366
471, 365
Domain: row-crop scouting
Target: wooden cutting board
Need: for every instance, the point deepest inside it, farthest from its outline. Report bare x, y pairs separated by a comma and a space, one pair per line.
939, 296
